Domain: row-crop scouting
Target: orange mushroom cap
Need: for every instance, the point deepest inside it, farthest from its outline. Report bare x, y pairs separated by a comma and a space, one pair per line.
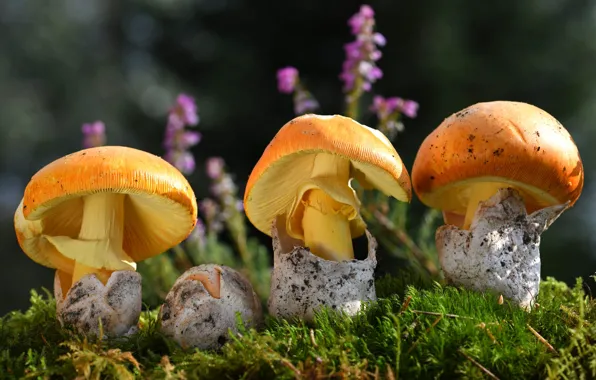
287, 163
160, 208
514, 144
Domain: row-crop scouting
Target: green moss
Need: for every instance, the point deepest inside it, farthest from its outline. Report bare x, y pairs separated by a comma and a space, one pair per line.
429, 331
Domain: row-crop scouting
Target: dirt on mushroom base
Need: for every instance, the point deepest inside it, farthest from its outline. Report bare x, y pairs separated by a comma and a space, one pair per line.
413, 332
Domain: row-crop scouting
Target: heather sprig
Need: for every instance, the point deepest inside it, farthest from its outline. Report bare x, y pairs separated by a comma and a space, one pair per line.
198, 235
178, 140
360, 70
288, 82
389, 110
211, 211
225, 191
94, 134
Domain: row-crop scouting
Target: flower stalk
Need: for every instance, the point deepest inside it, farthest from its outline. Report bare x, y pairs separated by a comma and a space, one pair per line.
360, 68
178, 140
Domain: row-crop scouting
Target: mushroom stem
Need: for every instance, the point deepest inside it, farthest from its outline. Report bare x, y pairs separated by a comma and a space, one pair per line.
326, 226
81, 270
479, 192
98, 247
103, 224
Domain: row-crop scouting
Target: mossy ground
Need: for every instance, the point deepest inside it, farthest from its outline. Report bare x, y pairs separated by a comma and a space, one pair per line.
411, 332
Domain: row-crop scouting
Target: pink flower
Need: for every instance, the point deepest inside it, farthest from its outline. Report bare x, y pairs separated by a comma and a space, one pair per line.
304, 102
409, 108
198, 234
288, 82
287, 78
212, 214
359, 20
379, 39
182, 160
388, 112
362, 53
215, 167
184, 112
384, 107
225, 206
93, 134
178, 140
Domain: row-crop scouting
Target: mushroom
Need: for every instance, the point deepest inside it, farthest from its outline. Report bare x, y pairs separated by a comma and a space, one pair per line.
92, 215
201, 308
460, 168
302, 182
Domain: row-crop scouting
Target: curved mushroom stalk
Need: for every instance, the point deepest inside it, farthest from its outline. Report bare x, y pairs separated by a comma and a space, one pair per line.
117, 304
301, 282
200, 309
501, 251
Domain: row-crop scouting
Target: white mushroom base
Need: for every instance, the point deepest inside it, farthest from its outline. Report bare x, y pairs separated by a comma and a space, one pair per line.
302, 283
501, 251
117, 304
200, 309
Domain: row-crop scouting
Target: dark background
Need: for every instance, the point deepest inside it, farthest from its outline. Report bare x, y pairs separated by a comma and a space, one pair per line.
124, 62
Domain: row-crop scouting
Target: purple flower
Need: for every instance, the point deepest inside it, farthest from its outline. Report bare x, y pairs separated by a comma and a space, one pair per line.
379, 39
178, 140
182, 160
304, 102
409, 108
288, 82
362, 53
388, 111
215, 166
212, 214
198, 234
359, 20
94, 134
224, 188
184, 112
384, 107
287, 79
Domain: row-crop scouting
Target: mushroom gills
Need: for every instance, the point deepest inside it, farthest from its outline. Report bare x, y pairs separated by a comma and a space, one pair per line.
325, 209
98, 247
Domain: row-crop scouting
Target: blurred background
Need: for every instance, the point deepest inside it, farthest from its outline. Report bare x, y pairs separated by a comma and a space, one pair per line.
67, 62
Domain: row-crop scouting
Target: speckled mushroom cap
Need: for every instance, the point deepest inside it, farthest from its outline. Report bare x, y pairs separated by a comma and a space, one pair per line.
160, 206
287, 164
511, 143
